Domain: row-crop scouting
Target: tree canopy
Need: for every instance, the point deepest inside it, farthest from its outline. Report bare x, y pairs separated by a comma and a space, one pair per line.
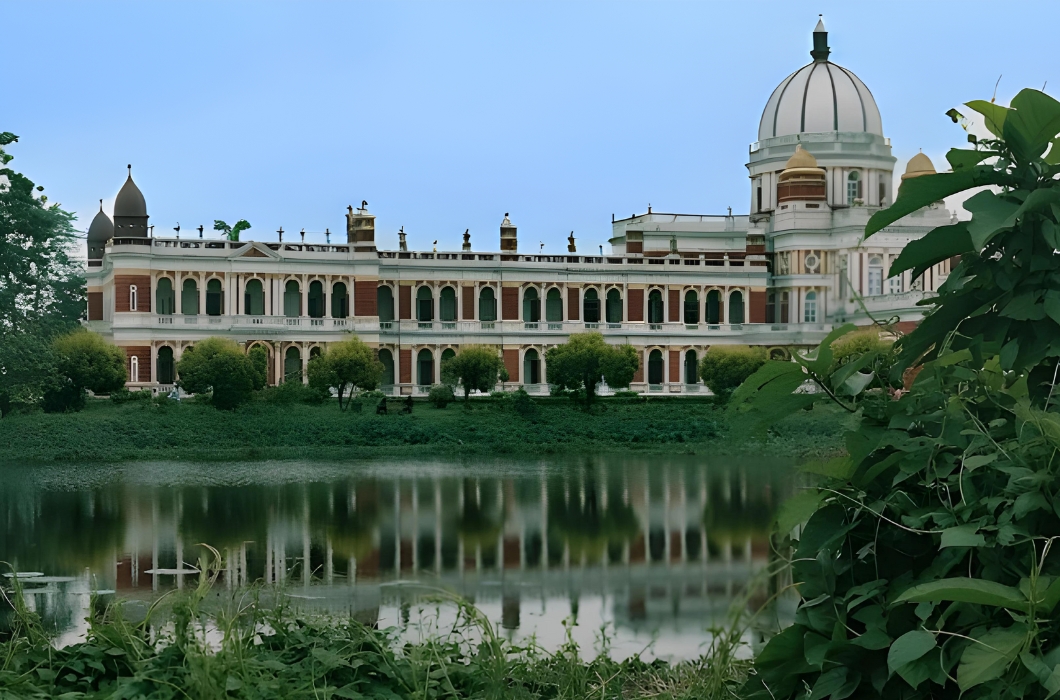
217, 365
585, 359
725, 367
475, 368
347, 366
231, 232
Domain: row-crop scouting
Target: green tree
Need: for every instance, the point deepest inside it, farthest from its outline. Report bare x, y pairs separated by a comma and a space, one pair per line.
725, 367
42, 286
84, 360
259, 357
925, 560
218, 365
348, 366
231, 232
585, 359
475, 368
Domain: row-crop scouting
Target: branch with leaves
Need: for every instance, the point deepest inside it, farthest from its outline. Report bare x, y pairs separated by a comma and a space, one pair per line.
231, 232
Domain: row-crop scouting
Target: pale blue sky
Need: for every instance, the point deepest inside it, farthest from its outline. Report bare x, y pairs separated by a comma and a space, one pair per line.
444, 116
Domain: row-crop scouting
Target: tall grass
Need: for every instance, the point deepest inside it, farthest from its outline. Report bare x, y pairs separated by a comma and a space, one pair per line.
244, 648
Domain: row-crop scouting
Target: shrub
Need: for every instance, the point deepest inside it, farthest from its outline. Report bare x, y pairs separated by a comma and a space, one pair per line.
123, 395
219, 366
259, 358
626, 394
585, 359
84, 361
522, 403
725, 367
345, 366
475, 368
441, 395
292, 391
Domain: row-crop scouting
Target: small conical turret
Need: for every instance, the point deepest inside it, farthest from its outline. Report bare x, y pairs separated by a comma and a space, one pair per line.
820, 41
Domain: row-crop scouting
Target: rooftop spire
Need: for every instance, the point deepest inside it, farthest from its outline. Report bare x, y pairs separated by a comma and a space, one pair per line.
820, 41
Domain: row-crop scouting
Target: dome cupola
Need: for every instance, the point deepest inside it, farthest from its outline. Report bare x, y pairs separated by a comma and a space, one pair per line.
919, 165
100, 231
820, 97
801, 178
130, 210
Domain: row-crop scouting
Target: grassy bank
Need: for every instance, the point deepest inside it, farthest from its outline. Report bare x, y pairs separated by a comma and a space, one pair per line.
194, 431
244, 649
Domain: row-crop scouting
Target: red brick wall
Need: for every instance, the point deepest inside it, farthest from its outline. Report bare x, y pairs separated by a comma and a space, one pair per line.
468, 312
638, 376
143, 356
574, 305
675, 365
405, 364
675, 305
511, 363
365, 298
635, 305
510, 305
143, 292
757, 312
404, 303
95, 306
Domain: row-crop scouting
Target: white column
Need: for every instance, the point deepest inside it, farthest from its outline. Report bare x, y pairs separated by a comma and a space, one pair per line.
202, 293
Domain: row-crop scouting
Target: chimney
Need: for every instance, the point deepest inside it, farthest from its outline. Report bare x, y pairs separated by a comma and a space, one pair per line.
360, 229
509, 240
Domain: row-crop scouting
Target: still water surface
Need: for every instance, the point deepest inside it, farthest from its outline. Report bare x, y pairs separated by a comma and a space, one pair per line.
654, 550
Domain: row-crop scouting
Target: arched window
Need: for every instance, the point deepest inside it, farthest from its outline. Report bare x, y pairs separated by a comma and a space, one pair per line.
315, 352
189, 297
384, 297
292, 299
655, 306
447, 305
655, 367
736, 307
554, 306
425, 368
809, 308
254, 298
134, 369
448, 354
214, 297
853, 187
875, 276
292, 364
316, 299
592, 306
714, 306
614, 306
340, 301
164, 363
132, 298
164, 296
387, 359
531, 367
487, 304
691, 367
531, 305
691, 307
424, 305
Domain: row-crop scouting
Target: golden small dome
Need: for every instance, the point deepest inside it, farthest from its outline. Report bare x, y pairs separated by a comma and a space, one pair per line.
919, 165
801, 159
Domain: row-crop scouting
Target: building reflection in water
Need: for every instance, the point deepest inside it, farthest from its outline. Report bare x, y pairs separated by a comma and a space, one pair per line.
656, 549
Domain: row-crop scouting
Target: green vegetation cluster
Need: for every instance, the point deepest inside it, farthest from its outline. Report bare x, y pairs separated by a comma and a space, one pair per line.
272, 651
725, 367
925, 560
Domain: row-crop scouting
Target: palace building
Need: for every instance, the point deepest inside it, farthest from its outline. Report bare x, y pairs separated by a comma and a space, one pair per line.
672, 285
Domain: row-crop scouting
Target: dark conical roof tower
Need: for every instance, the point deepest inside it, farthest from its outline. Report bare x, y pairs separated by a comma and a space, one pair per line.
100, 231
130, 210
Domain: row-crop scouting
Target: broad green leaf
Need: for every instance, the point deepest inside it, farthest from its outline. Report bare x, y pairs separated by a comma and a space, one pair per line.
937, 245
972, 463
988, 659
822, 359
965, 590
798, 509
908, 648
1051, 597
1048, 676
1053, 156
1031, 124
829, 683
766, 413
964, 158
856, 383
962, 536
918, 192
995, 115
1039, 199
841, 375
770, 371
991, 214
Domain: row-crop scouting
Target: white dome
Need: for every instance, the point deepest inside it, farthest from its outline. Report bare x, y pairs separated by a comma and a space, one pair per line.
820, 97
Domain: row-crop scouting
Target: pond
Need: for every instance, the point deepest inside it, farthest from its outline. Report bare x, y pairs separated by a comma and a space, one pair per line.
652, 552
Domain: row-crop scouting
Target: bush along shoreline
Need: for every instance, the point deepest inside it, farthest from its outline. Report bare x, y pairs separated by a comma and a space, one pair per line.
280, 425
